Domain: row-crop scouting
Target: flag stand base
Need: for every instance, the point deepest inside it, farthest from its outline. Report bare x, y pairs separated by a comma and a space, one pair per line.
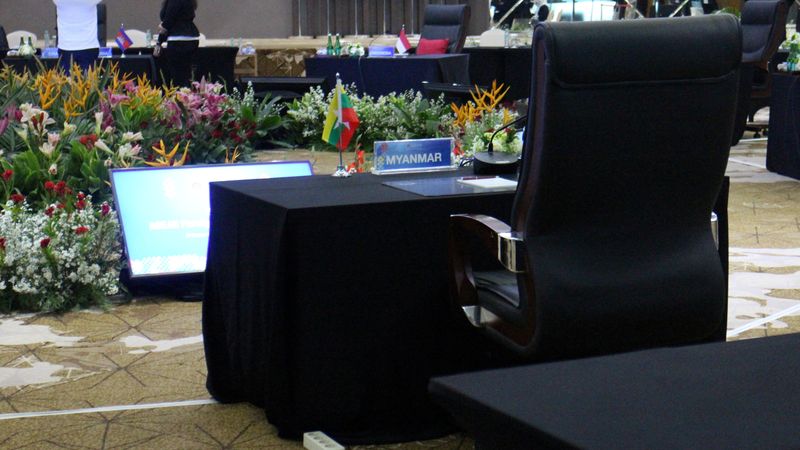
341, 172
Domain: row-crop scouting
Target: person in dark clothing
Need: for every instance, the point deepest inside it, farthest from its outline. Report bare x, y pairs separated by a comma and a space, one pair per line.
178, 30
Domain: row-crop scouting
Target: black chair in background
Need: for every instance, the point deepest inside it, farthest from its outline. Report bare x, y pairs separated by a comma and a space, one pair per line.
451, 92
3, 43
215, 64
763, 30
102, 30
446, 22
609, 247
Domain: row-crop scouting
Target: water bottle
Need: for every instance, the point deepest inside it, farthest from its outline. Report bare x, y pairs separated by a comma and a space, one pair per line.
337, 48
329, 48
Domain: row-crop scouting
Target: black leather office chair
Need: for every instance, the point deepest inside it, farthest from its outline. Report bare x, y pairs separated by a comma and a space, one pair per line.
3, 43
609, 247
446, 22
763, 30
102, 20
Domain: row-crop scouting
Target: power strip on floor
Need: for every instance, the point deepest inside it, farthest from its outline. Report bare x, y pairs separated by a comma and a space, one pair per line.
317, 440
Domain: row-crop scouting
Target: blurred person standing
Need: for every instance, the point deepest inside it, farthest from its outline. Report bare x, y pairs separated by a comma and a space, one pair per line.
77, 33
178, 30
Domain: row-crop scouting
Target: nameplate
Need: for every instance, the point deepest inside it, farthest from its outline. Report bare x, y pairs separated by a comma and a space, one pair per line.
105, 52
381, 50
413, 155
50, 53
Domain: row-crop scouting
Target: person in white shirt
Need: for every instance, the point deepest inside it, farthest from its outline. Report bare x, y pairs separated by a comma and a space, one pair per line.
77, 33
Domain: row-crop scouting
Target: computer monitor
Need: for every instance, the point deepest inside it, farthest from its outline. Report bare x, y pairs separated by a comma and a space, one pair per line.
164, 212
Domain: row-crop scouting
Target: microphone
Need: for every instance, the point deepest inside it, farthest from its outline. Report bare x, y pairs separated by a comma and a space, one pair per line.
500, 163
490, 147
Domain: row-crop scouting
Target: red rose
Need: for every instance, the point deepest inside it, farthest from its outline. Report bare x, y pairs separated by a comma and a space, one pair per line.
44, 242
17, 198
88, 140
105, 209
2, 243
8, 174
216, 134
81, 230
80, 204
81, 196
49, 186
49, 211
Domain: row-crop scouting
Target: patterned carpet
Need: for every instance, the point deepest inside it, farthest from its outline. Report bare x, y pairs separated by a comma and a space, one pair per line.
139, 356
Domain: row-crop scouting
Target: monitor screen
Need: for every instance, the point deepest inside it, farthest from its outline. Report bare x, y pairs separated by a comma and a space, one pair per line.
164, 212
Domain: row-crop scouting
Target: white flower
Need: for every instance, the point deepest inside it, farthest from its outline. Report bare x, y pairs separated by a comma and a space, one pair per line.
68, 129
132, 137
47, 148
102, 146
53, 170
53, 138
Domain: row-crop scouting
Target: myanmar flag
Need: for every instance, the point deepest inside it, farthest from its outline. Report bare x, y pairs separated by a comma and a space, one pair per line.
341, 121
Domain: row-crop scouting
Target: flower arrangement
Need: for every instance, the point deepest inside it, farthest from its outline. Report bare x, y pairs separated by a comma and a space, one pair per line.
59, 136
407, 115
64, 256
476, 121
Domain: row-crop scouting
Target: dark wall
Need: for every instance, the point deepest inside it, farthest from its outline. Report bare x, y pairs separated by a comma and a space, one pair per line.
219, 19
374, 16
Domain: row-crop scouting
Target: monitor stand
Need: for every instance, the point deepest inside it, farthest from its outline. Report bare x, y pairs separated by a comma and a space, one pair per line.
183, 287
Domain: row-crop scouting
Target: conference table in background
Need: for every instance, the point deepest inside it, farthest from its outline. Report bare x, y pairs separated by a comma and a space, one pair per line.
783, 143
134, 65
326, 303
725, 395
382, 75
510, 66
214, 63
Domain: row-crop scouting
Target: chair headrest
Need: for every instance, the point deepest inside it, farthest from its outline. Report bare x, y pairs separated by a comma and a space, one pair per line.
445, 14
761, 12
623, 51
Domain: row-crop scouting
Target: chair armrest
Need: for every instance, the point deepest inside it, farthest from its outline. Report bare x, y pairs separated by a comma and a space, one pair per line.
493, 236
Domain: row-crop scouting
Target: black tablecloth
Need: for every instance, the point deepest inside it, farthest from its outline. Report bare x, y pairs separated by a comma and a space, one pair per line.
783, 144
510, 66
326, 303
134, 65
380, 76
725, 395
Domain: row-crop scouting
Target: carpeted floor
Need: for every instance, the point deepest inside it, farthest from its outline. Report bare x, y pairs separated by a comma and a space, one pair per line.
133, 376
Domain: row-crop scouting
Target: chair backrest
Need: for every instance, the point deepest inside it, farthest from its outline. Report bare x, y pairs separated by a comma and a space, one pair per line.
102, 20
3, 39
446, 21
763, 29
14, 36
627, 141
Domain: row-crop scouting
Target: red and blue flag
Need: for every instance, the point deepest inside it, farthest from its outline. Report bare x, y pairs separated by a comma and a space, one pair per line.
123, 40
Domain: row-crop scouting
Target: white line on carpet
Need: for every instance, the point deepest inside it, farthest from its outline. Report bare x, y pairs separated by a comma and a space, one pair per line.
763, 320
747, 163
101, 409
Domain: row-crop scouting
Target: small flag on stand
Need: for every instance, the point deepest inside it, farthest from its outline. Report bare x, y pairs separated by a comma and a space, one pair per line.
123, 40
403, 46
341, 121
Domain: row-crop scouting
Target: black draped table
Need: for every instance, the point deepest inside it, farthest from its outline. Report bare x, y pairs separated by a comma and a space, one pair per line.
783, 143
134, 65
734, 395
380, 76
326, 303
510, 66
